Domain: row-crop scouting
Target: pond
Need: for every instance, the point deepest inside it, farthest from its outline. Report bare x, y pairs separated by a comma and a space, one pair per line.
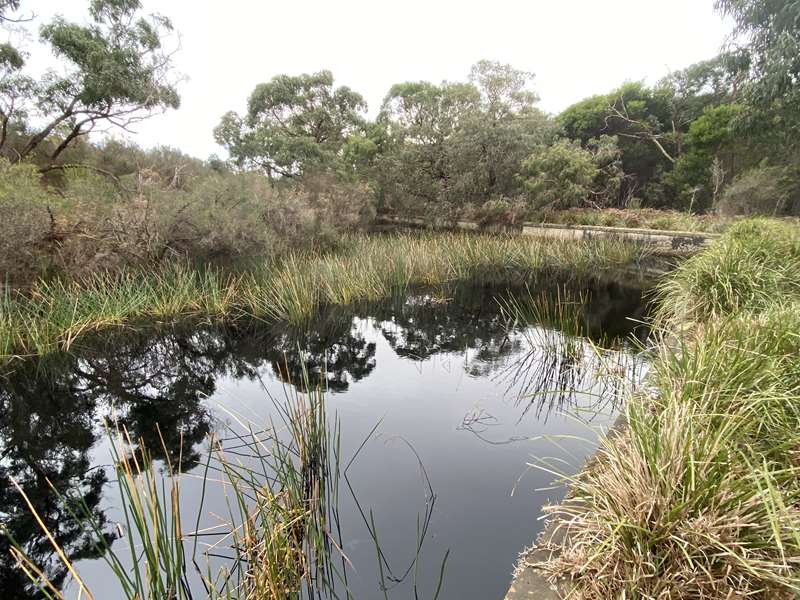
442, 402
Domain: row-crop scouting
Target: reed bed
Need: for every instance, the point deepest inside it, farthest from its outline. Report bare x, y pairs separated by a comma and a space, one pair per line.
53, 314
699, 498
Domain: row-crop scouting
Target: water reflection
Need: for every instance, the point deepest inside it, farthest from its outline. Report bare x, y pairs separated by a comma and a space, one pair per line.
46, 431
51, 410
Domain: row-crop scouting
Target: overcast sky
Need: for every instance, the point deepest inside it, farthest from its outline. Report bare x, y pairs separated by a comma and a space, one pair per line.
576, 48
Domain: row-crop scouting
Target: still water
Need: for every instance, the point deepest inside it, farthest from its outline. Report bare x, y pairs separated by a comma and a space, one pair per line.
451, 401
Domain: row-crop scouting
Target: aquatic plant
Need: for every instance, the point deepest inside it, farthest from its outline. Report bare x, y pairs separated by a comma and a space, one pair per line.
155, 563
53, 314
283, 491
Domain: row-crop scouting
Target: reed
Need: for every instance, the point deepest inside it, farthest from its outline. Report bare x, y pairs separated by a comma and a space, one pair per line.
53, 314
153, 564
282, 485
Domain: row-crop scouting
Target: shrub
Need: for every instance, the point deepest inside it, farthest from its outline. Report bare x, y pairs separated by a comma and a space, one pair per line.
500, 211
761, 191
26, 222
559, 175
566, 175
318, 210
97, 223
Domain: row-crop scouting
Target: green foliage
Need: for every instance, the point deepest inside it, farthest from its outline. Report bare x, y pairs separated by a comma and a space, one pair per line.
640, 118
565, 175
162, 207
560, 175
113, 71
423, 121
771, 191
769, 32
697, 497
713, 152
289, 286
447, 147
501, 134
293, 125
643, 218
25, 222
754, 265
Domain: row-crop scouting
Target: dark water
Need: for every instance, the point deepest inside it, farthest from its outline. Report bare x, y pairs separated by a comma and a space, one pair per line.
456, 397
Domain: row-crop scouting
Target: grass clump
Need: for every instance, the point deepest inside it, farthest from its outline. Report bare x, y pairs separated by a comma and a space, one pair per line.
644, 218
754, 265
281, 485
699, 496
51, 315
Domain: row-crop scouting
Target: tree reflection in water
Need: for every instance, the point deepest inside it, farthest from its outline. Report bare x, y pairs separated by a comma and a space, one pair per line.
51, 410
153, 382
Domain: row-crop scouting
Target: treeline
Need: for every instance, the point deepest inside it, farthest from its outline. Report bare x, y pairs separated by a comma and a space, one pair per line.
720, 135
305, 162
700, 139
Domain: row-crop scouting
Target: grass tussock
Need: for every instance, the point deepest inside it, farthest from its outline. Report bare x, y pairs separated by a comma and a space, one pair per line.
700, 496
756, 264
52, 314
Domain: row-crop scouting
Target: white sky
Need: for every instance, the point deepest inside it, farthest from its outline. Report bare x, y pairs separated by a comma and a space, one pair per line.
576, 48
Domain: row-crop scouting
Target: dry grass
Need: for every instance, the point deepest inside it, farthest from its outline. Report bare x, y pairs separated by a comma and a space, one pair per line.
699, 497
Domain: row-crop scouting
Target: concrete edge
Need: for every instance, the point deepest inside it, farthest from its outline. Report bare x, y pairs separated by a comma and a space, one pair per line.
530, 583
662, 242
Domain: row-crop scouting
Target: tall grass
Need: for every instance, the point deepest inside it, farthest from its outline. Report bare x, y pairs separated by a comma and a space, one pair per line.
53, 314
151, 528
754, 265
699, 496
282, 489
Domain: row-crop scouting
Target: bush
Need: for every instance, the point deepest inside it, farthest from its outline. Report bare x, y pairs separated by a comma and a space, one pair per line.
98, 223
769, 191
500, 211
318, 210
566, 175
559, 175
26, 223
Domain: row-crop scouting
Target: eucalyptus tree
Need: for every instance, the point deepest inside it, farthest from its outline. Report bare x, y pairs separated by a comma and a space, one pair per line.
424, 122
454, 144
505, 129
639, 117
766, 37
112, 72
767, 32
293, 124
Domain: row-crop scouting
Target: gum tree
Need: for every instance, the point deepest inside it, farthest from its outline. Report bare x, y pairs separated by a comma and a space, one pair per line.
293, 124
768, 33
425, 124
113, 72
506, 128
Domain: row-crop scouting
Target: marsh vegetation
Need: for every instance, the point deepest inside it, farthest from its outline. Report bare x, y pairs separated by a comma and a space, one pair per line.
50, 315
278, 430
215, 327
698, 497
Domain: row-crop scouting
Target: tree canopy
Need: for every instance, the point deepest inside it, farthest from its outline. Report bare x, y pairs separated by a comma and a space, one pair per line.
293, 124
115, 72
